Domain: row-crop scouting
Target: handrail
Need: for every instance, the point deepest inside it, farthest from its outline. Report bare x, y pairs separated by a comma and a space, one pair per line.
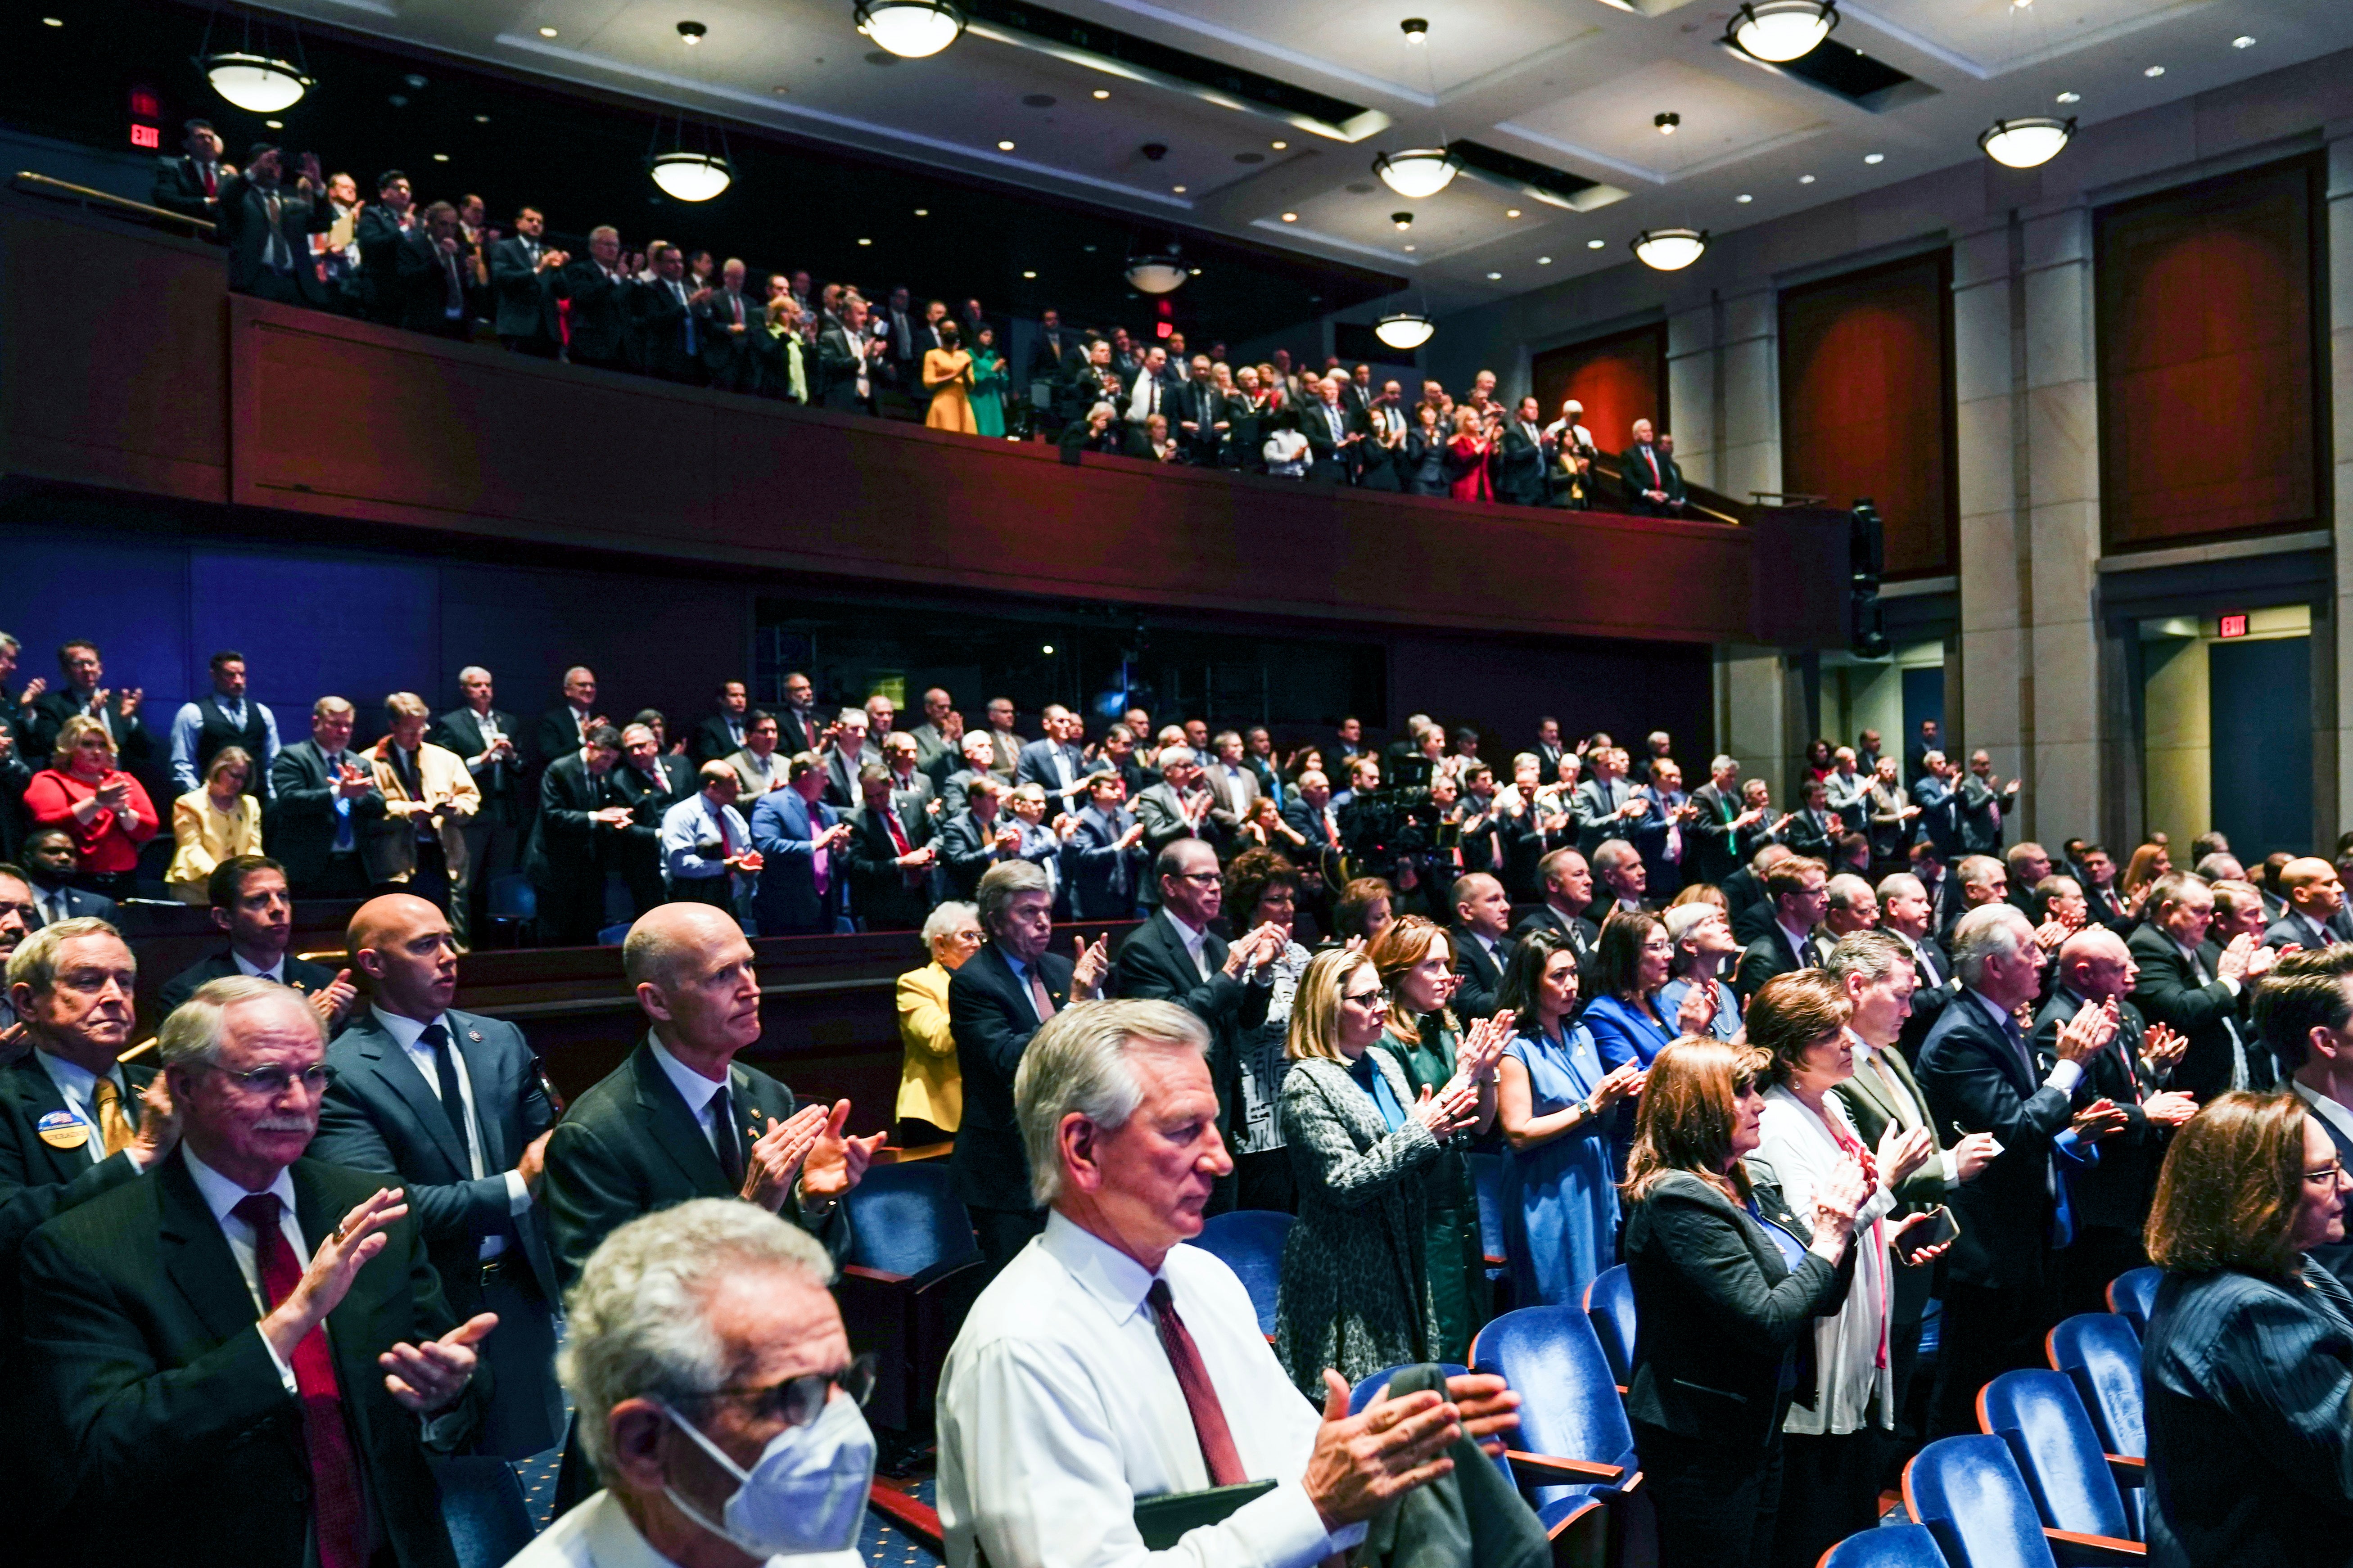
35, 185
1689, 491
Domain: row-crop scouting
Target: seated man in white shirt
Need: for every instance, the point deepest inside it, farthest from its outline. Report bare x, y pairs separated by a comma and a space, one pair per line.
1109, 1362
703, 1338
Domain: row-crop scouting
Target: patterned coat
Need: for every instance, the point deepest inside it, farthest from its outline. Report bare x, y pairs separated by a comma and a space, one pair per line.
1356, 1285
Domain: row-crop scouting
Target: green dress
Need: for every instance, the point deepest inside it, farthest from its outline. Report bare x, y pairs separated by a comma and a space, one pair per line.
989, 382
1456, 1260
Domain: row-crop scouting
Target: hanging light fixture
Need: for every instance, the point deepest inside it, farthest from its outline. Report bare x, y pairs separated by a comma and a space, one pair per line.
254, 76
690, 173
1407, 330
1415, 172
911, 29
1670, 250
1779, 31
2026, 143
1157, 272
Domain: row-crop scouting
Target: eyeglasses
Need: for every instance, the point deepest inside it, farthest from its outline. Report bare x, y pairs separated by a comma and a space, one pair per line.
1367, 999
1206, 879
272, 1080
2325, 1175
966, 938
797, 1401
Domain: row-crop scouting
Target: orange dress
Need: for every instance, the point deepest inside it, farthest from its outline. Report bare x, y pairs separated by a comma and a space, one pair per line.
948, 373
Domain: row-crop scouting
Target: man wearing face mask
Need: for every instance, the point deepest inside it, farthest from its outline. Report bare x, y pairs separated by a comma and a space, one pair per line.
769, 1462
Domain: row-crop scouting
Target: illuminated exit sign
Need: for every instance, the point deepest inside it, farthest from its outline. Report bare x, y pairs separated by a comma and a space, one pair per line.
2233, 627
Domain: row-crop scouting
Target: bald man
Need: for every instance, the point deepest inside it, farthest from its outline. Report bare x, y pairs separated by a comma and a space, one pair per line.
2315, 895
450, 1106
681, 1118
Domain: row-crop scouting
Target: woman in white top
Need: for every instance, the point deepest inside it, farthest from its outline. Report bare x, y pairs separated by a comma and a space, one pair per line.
1833, 1441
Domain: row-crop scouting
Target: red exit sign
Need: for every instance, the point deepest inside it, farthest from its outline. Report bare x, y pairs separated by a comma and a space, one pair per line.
2234, 626
146, 136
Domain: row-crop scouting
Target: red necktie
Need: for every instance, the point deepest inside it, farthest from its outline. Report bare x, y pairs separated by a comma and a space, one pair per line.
339, 1516
899, 842
1200, 1396
1651, 458
211, 189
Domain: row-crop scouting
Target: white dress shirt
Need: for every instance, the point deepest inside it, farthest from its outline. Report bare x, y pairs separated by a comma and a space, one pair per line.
1196, 941
598, 1534
221, 1195
1058, 1409
697, 1091
275, 972
407, 1034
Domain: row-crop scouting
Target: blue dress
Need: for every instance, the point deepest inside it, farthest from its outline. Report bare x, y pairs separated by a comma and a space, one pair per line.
1624, 1033
1560, 1198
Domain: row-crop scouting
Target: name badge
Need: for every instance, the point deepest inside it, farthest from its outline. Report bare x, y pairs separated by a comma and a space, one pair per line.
58, 1130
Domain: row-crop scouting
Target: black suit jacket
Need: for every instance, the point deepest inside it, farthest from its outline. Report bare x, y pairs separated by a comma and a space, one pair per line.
1712, 855
1104, 880
1519, 467
180, 188
557, 734
242, 220
1976, 1082
134, 742
379, 236
711, 742
648, 798
1481, 976
566, 847
1153, 966
2115, 1192
300, 974
991, 1018
526, 304
659, 317
884, 897
460, 730
141, 1355
1581, 934
37, 1179
422, 273
1766, 957
2207, 1016
600, 312
77, 904
303, 834
628, 1146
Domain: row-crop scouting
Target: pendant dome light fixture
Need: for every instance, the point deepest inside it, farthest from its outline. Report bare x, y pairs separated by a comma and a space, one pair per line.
1779, 31
1159, 270
1419, 173
910, 29
1670, 250
254, 77
697, 173
2027, 144
1405, 330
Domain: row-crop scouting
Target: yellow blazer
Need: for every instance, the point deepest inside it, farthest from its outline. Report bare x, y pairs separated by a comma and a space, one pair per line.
202, 838
930, 1083
390, 850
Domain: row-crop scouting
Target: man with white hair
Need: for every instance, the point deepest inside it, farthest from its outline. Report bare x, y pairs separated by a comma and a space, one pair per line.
1112, 1365
703, 1342
1980, 1075
1570, 474
176, 1336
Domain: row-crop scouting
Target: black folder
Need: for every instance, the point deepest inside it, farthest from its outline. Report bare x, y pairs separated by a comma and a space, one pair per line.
1163, 1520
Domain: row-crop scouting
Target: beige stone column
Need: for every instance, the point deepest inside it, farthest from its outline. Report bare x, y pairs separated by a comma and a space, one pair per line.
2341, 435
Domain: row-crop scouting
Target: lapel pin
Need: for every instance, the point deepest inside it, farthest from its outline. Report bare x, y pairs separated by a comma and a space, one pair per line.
475, 1035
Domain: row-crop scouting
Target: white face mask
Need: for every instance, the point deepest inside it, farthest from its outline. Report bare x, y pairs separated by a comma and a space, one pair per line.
807, 1491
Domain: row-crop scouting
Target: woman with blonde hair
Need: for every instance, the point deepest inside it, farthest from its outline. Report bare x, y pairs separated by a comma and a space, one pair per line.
2150, 864
1357, 1289
101, 808
1724, 1304
213, 821
1415, 960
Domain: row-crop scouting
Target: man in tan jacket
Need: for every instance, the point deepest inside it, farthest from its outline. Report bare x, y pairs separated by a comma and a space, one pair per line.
419, 847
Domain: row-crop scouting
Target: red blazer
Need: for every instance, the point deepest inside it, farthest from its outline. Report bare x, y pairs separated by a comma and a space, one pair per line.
104, 844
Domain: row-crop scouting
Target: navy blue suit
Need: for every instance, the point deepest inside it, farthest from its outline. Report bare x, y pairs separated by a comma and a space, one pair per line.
992, 1017
1035, 765
381, 1114
783, 830
1104, 880
80, 905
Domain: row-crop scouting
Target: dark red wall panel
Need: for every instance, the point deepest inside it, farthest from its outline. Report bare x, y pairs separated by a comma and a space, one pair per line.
1619, 379
2211, 399
1867, 403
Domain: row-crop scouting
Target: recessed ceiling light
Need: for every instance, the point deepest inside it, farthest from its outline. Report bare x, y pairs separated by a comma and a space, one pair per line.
1291, 218
922, 212
1874, 157
865, 242
1543, 261
1494, 277
1029, 275
2070, 98
547, 32
1277, 147
481, 119
441, 157
1593, 244
1743, 198
61, 21
1178, 189
1004, 146
1511, 212
1195, 272
780, 90
2154, 71
1805, 179
1102, 92
1408, 247
2244, 41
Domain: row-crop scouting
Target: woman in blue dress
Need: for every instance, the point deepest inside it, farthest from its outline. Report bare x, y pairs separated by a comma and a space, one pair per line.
1555, 1102
1629, 968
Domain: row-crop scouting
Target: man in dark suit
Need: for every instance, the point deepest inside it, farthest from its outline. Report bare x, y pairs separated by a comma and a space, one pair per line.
190, 184
2314, 896
726, 319
1915, 755
973, 841
1980, 802
1906, 914
267, 227
681, 1119
1715, 853
1743, 892
2196, 987
141, 1306
328, 804
2304, 1015
250, 903
83, 694
600, 289
562, 728
2112, 1196
802, 842
1196, 416
384, 224
1642, 471
846, 359
661, 316
1567, 877
1520, 460
1177, 807
1331, 444
1482, 919
1808, 833
1102, 859
524, 277
890, 855
50, 863
431, 268
997, 998
1798, 891
450, 1106
723, 734
799, 727
485, 737
2002, 1286
1175, 957
1054, 763
648, 782
580, 821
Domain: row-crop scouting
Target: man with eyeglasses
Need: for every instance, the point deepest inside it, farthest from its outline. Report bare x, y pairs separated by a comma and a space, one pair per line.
175, 1340
2304, 1013
451, 1106
665, 1302
17, 914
